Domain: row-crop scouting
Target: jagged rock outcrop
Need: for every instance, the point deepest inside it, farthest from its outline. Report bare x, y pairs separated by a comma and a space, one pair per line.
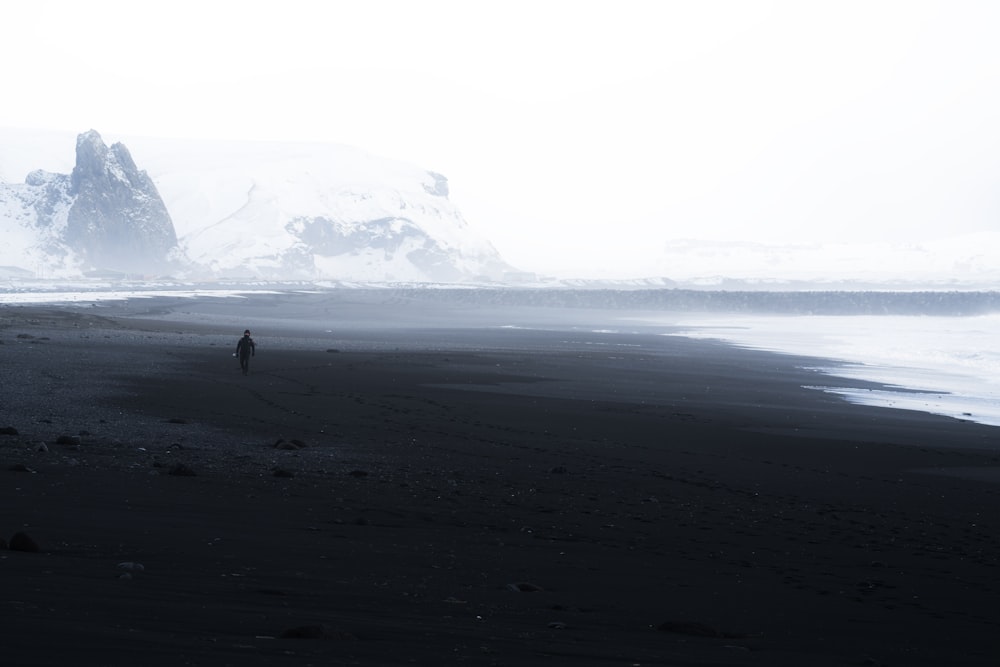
117, 219
105, 216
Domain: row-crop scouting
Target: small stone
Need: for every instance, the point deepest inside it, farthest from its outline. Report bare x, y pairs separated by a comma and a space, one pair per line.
8, 430
23, 542
281, 472
68, 440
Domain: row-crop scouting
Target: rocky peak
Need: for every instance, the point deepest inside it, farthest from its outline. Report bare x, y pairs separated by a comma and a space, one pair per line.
96, 163
91, 155
117, 220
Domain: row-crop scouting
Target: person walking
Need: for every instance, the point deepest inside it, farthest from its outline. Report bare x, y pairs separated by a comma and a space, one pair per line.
245, 349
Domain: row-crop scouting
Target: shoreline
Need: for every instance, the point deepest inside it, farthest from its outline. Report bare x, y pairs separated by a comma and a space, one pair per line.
934, 366
859, 378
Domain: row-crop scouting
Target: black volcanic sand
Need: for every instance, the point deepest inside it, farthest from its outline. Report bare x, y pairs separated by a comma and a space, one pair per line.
388, 486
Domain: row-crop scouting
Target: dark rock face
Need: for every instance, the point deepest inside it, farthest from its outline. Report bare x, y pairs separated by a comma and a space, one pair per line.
324, 237
440, 187
23, 542
54, 190
117, 220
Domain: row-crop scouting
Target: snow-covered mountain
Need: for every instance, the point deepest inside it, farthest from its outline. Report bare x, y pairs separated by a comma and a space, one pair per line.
296, 211
236, 209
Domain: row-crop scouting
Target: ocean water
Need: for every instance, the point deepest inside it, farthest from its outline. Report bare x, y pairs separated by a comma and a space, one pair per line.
942, 365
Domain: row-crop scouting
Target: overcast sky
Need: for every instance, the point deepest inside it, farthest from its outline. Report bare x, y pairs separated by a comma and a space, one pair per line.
575, 134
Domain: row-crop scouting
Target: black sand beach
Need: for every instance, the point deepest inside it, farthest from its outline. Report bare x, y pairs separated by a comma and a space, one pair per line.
397, 482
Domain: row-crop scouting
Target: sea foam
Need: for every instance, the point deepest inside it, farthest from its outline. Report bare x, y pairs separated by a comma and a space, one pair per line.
941, 365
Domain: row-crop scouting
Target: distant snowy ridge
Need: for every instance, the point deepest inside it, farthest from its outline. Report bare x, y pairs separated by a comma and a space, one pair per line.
965, 261
274, 211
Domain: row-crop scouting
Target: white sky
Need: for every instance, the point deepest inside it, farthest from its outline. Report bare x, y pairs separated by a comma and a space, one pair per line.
575, 134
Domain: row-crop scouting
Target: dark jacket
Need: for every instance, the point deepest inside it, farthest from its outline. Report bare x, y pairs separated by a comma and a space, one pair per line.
245, 347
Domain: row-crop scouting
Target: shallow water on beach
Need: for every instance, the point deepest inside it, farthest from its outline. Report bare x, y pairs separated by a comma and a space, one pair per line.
941, 365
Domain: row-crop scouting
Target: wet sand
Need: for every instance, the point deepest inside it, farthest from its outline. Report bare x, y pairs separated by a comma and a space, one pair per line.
395, 484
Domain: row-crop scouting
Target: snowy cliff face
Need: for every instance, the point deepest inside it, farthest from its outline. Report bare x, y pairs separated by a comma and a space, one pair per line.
33, 219
315, 211
105, 215
241, 210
